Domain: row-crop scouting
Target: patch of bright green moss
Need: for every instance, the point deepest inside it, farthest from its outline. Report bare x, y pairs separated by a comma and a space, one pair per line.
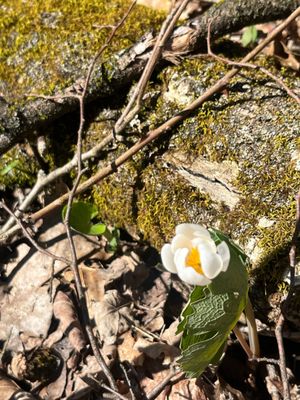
165, 202
44, 45
150, 203
18, 168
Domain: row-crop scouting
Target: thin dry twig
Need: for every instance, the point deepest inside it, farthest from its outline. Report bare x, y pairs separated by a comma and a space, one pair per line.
282, 360
28, 236
166, 381
74, 261
293, 250
164, 34
280, 322
132, 395
43, 181
275, 78
165, 127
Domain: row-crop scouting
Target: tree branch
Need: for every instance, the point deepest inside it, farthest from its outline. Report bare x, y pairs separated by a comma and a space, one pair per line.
230, 15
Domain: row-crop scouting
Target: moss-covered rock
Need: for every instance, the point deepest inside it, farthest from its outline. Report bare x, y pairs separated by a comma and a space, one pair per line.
234, 165
46, 45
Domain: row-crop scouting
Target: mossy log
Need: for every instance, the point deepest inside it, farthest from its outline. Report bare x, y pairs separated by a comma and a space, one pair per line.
38, 61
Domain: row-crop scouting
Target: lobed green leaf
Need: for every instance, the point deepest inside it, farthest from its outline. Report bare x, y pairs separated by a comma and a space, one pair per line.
212, 312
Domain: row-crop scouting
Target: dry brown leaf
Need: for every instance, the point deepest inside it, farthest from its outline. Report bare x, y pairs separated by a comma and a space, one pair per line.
109, 316
157, 350
90, 367
94, 280
54, 390
69, 324
170, 336
148, 384
8, 388
283, 54
26, 305
187, 389
129, 269
224, 390
154, 299
18, 366
127, 351
27, 310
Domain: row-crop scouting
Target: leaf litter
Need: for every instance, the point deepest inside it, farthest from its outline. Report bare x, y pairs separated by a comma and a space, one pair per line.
134, 308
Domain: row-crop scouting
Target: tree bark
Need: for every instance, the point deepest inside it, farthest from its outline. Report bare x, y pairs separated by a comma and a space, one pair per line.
17, 123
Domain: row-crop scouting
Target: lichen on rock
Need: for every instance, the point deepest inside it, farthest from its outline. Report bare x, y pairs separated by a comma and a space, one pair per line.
253, 131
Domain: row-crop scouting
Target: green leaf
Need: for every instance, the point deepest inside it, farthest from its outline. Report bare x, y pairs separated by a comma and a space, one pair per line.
249, 36
112, 237
9, 167
212, 312
97, 229
81, 216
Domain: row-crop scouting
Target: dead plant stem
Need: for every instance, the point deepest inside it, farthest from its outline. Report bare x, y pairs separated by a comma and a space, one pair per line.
282, 360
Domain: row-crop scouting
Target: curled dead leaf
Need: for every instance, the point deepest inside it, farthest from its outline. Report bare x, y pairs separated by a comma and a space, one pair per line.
69, 324
18, 366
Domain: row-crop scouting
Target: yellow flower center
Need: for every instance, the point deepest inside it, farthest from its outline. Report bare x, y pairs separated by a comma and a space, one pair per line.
193, 260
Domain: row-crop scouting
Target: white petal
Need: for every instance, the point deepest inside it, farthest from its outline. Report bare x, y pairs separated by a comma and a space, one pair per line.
180, 241
188, 274
211, 262
180, 256
191, 230
224, 252
203, 240
167, 258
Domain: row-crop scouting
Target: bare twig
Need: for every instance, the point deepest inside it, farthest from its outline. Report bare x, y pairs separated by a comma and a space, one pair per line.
168, 379
74, 264
164, 34
165, 127
266, 360
28, 236
128, 382
280, 322
44, 181
282, 360
271, 378
279, 81
293, 250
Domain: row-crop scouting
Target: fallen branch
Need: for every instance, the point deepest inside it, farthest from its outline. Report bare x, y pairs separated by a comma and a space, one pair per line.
164, 34
154, 134
230, 15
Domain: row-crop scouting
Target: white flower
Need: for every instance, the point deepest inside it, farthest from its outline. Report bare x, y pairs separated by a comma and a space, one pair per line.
194, 256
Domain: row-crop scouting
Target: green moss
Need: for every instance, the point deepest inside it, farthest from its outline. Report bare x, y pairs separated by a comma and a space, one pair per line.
165, 202
23, 169
267, 181
151, 202
44, 45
